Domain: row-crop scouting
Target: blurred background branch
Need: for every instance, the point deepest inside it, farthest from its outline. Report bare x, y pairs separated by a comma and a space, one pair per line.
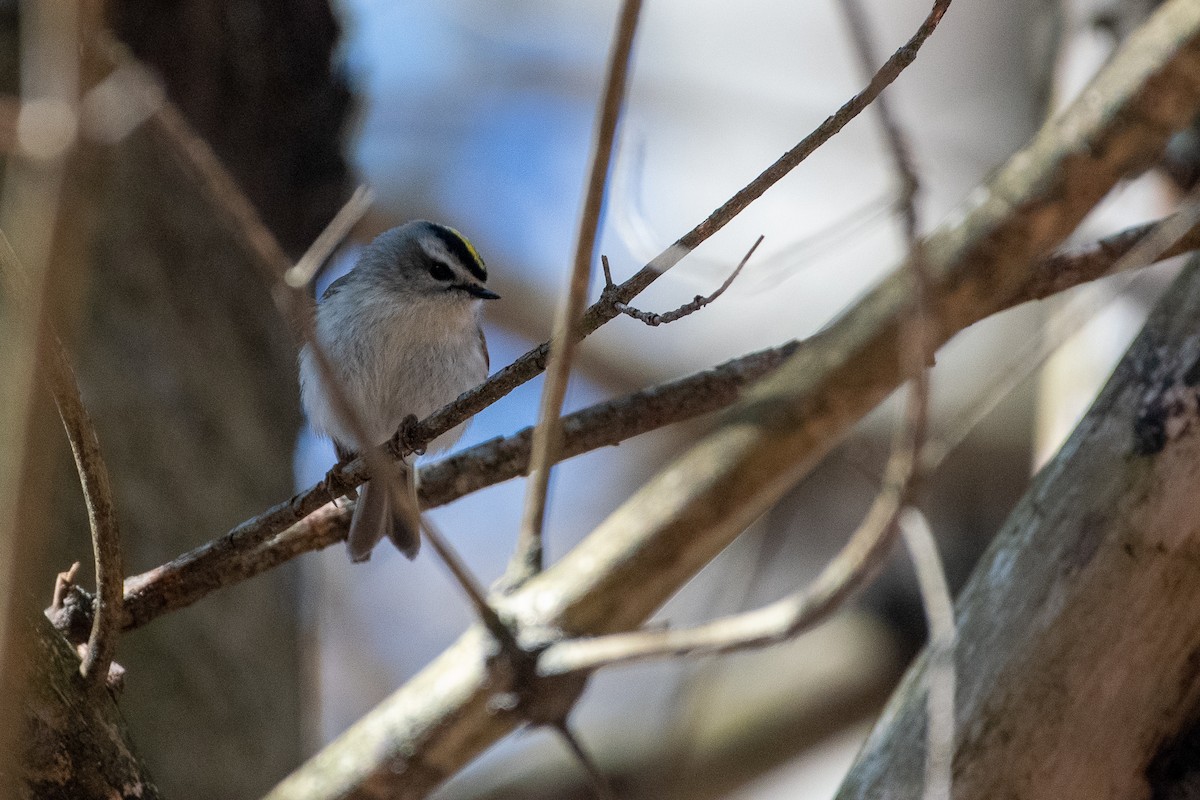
527, 559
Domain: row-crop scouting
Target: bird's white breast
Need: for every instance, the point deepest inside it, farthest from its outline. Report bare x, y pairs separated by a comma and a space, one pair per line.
393, 359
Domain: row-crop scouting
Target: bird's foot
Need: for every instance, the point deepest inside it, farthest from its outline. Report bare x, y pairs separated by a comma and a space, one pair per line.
405, 441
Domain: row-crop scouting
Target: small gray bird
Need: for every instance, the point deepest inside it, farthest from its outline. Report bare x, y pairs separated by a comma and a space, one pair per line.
401, 332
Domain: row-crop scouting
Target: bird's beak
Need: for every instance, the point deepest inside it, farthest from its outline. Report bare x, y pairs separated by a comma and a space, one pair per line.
482, 292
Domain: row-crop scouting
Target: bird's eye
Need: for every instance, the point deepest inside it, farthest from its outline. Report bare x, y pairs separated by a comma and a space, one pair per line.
440, 272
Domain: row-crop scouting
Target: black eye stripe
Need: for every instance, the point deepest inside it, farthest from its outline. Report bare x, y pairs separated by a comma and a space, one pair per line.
460, 250
440, 272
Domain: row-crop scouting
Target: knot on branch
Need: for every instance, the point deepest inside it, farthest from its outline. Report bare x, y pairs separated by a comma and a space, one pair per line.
72, 609
610, 295
536, 698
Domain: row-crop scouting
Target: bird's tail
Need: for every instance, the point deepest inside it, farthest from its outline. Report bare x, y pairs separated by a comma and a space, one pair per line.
375, 518
405, 530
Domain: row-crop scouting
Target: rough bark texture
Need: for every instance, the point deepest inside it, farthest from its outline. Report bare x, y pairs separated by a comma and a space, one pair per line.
76, 746
1079, 634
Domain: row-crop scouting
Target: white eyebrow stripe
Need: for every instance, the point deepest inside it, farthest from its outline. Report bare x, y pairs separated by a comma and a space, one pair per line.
435, 249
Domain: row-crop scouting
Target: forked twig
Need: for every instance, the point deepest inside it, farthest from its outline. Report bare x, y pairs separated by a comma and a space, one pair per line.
699, 302
527, 559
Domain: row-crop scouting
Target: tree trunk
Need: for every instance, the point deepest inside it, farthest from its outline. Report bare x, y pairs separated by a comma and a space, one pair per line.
1079, 633
76, 746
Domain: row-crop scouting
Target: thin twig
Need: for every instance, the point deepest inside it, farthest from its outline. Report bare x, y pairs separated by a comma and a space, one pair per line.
527, 559
596, 777
918, 349
1163, 236
265, 541
109, 617
940, 678
700, 301
63, 584
351, 212
917, 346
1079, 264
864, 47
608, 281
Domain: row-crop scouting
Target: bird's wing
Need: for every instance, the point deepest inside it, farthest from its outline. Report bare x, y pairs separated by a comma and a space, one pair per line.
334, 287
